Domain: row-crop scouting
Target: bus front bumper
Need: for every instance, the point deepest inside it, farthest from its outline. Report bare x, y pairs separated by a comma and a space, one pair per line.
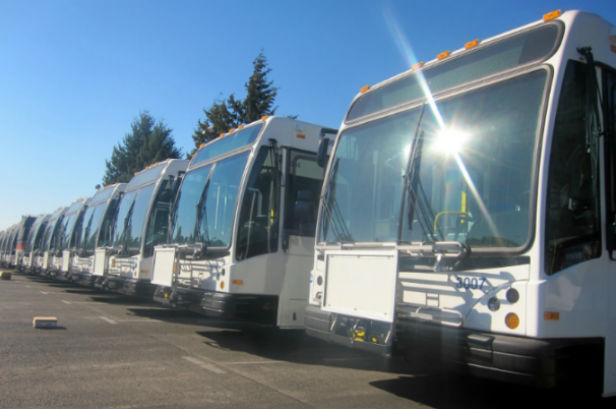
257, 308
531, 361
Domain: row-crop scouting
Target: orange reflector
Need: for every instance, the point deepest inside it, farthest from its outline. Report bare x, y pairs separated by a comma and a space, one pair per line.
238, 282
471, 44
551, 316
300, 136
240, 126
145, 271
512, 320
231, 130
221, 134
443, 55
551, 15
364, 88
222, 285
417, 66
264, 117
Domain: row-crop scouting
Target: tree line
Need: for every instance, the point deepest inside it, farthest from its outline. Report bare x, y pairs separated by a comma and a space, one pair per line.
150, 141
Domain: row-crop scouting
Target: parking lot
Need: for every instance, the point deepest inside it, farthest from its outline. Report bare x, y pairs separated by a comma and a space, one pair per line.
117, 352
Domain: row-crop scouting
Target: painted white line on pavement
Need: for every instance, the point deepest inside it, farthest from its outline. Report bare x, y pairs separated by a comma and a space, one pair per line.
205, 365
108, 320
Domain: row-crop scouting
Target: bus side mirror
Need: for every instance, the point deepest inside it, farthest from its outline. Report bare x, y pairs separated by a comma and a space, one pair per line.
323, 149
322, 152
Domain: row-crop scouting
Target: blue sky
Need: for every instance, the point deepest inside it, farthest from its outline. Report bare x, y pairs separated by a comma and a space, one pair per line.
74, 74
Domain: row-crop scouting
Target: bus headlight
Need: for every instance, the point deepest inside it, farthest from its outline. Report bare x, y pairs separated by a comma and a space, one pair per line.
493, 304
512, 295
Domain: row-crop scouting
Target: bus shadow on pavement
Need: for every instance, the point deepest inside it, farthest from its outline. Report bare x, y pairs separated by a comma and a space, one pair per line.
450, 390
160, 312
293, 346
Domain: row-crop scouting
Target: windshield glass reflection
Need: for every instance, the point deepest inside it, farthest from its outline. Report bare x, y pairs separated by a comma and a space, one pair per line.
469, 180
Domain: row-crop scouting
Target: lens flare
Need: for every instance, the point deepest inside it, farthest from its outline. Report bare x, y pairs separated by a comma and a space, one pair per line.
456, 140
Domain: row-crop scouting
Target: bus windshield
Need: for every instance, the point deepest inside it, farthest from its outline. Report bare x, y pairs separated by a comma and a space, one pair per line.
66, 230
89, 228
459, 170
206, 203
130, 220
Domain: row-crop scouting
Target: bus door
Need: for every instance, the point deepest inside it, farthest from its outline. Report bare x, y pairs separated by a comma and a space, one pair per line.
304, 179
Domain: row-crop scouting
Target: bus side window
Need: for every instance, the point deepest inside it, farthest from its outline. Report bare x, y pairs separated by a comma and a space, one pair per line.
572, 211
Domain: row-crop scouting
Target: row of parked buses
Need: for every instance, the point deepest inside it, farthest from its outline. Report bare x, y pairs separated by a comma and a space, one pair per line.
466, 215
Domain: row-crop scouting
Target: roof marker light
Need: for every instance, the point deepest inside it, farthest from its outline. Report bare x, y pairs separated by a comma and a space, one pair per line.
364, 88
471, 44
231, 130
202, 145
551, 15
443, 55
417, 66
264, 117
240, 127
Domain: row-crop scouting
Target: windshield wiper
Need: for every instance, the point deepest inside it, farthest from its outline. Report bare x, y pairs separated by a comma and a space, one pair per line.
191, 250
442, 251
418, 199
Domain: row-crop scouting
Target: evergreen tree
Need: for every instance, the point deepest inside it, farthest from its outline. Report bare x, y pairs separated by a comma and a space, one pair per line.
231, 112
260, 93
148, 142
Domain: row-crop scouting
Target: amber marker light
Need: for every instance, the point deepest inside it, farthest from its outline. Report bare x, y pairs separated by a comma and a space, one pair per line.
364, 88
471, 44
417, 66
512, 320
551, 15
238, 282
443, 55
551, 316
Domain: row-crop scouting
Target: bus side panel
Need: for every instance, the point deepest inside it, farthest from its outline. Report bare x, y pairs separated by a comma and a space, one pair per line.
293, 296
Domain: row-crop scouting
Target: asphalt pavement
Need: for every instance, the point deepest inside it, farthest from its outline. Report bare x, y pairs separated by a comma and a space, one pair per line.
113, 351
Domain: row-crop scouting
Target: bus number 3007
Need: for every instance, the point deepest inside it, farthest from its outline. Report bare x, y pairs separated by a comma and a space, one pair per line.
471, 283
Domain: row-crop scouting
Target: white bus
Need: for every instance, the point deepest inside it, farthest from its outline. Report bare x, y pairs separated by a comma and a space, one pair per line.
42, 259
67, 238
243, 225
468, 210
141, 223
98, 221
9, 240
34, 243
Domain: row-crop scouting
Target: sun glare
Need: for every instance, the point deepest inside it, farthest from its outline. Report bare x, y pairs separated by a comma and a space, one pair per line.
450, 141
